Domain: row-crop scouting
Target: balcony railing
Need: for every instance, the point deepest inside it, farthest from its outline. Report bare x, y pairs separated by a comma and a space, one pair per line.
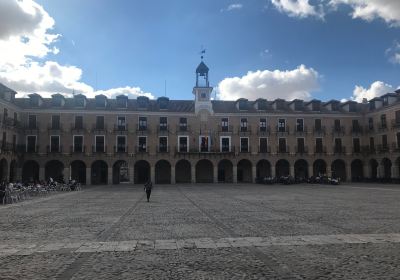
8, 147
357, 130
245, 129
264, 130
319, 130
79, 127
282, 130
264, 149
382, 127
120, 128
77, 149
163, 149
11, 123
141, 149
163, 128
120, 149
383, 148
395, 147
100, 128
28, 149
245, 149
51, 127
182, 128
369, 129
300, 131
228, 128
319, 150
338, 130
32, 126
54, 150
339, 150
301, 150
99, 149
142, 128
283, 149
356, 150
210, 150
395, 123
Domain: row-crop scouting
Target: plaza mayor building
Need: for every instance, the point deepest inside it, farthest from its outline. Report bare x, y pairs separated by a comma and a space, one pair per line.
110, 141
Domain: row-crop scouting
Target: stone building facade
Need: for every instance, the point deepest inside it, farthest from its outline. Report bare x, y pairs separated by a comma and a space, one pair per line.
110, 141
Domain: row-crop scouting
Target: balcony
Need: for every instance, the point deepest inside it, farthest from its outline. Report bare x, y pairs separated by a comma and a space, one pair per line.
338, 130
120, 149
11, 123
141, 149
210, 150
357, 130
8, 147
369, 129
282, 150
183, 128
301, 132
225, 129
54, 150
142, 129
319, 131
320, 150
32, 128
356, 150
282, 131
78, 128
382, 127
383, 148
120, 129
395, 124
162, 149
54, 128
99, 128
301, 150
339, 150
77, 149
367, 150
245, 149
244, 130
99, 149
28, 149
264, 130
163, 129
264, 149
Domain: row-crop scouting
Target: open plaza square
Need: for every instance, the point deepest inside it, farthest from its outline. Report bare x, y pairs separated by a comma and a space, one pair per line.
196, 231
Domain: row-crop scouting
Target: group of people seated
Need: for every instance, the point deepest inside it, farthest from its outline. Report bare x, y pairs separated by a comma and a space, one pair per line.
11, 192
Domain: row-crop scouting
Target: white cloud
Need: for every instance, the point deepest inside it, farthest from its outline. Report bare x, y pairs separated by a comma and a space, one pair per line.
388, 10
299, 8
393, 53
231, 7
292, 84
376, 89
26, 39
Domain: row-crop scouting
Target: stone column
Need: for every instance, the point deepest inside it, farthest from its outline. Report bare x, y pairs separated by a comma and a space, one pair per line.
152, 174
291, 169
173, 175
253, 173
395, 171
193, 177
348, 172
328, 171
234, 174
42, 174
310, 171
88, 176
67, 174
19, 174
215, 174
110, 176
131, 175
366, 171
273, 171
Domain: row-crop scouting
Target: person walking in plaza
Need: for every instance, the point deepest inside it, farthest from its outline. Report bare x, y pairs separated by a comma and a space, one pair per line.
147, 188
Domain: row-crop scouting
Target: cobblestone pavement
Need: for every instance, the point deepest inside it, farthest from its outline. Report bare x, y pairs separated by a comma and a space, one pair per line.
205, 232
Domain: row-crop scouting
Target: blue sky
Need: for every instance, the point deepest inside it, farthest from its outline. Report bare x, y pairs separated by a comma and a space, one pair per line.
141, 44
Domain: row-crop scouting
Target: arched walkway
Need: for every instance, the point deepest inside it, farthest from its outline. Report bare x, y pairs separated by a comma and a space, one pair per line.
54, 169
163, 172
339, 169
301, 169
30, 171
263, 169
13, 171
204, 171
120, 172
78, 171
387, 168
244, 172
373, 168
225, 171
357, 171
99, 174
3, 170
319, 167
183, 171
282, 168
142, 172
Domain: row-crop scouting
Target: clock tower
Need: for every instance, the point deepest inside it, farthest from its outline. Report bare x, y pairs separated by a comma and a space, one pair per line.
202, 90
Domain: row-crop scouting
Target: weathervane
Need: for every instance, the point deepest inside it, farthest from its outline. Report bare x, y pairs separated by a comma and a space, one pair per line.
202, 52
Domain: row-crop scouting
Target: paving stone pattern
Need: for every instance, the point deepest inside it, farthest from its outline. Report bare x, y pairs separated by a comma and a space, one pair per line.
205, 232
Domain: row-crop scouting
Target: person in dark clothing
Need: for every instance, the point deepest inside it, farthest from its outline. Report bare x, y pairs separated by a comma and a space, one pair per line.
147, 188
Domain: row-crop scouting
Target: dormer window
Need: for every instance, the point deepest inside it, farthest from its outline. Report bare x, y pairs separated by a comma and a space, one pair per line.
385, 101
279, 104
203, 95
56, 102
352, 107
142, 102
316, 106
79, 102
122, 102
100, 101
298, 105
335, 106
242, 104
163, 103
34, 101
372, 105
262, 105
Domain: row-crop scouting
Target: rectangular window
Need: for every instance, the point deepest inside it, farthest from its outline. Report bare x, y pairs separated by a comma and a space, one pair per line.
337, 126
183, 124
263, 145
356, 145
263, 124
356, 126
299, 125
383, 121
142, 147
204, 144
142, 123
15, 117
78, 122
243, 124
163, 144
100, 102
100, 122
32, 122
54, 143
384, 142
100, 143
121, 102
319, 148
372, 143
224, 124
244, 144
121, 123
31, 143
55, 122
225, 144
300, 145
78, 143
14, 142
5, 115
318, 124
398, 139
397, 116
183, 144
281, 125
282, 145
338, 145
79, 102
121, 144
370, 123
163, 123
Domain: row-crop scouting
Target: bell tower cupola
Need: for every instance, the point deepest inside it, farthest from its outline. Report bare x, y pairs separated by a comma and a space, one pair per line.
202, 90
